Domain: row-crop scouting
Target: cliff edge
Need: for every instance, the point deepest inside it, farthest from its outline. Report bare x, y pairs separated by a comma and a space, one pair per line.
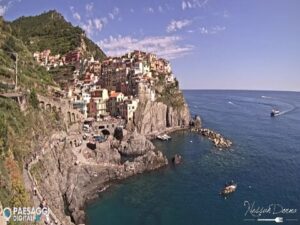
153, 118
168, 112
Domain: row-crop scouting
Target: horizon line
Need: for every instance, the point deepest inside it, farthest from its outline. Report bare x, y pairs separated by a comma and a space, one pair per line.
224, 89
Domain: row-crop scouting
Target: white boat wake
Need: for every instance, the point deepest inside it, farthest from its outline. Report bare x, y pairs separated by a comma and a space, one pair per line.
231, 103
263, 96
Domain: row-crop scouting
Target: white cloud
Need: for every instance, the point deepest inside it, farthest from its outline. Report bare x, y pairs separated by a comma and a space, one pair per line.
212, 30
98, 24
93, 25
177, 25
88, 27
183, 5
6, 6
105, 20
164, 46
89, 7
160, 8
114, 13
150, 10
224, 14
3, 10
111, 16
75, 14
217, 29
191, 4
203, 30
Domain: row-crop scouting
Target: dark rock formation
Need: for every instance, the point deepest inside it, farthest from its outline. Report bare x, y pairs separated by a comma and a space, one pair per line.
135, 145
196, 123
177, 159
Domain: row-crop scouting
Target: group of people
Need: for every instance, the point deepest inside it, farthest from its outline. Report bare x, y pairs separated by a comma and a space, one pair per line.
76, 143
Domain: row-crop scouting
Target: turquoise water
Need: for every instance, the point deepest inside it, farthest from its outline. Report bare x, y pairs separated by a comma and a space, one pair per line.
264, 161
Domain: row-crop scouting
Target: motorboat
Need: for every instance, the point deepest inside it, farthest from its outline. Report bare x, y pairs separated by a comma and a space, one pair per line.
274, 112
229, 188
163, 137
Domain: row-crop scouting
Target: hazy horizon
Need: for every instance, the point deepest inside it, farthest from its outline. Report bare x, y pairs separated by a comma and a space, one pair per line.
220, 89
211, 44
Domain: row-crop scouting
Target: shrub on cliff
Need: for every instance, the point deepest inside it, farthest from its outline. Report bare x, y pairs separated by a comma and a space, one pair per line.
118, 134
33, 100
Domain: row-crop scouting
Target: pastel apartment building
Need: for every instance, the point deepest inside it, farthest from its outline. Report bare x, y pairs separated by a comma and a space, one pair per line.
127, 109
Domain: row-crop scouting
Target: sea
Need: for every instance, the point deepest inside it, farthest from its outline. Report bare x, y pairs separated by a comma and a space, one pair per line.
264, 161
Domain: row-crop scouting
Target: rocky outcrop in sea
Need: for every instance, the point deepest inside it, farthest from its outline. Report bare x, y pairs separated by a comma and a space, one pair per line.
218, 140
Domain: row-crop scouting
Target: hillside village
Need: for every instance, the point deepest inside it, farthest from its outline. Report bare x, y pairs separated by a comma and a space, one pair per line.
69, 112
113, 87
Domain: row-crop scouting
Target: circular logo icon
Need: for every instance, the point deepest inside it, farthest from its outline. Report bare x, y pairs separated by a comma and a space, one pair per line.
7, 213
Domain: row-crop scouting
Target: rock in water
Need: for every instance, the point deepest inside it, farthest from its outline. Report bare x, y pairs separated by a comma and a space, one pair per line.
177, 159
196, 123
219, 141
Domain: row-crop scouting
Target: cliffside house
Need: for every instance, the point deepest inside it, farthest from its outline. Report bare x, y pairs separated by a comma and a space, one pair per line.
127, 109
115, 99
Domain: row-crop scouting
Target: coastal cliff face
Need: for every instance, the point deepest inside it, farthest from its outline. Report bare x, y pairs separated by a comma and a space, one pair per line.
67, 185
152, 118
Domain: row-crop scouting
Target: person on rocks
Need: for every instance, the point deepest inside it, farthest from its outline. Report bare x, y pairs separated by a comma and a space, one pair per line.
34, 191
44, 203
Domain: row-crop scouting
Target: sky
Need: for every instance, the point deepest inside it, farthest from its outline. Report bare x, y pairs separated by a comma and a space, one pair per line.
211, 44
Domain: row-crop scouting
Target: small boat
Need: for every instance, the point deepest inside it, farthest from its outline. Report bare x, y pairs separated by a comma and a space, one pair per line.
163, 137
274, 112
229, 188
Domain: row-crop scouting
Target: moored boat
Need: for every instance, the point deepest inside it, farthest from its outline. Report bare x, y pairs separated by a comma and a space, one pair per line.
229, 188
163, 137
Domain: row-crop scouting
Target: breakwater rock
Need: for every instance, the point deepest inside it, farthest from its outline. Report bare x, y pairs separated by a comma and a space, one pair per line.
218, 140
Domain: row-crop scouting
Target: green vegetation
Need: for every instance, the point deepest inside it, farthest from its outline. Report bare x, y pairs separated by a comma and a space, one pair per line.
29, 72
51, 31
33, 100
22, 133
63, 74
13, 148
19, 135
36, 171
169, 93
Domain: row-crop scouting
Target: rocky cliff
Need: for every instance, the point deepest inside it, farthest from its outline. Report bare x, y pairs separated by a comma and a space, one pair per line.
152, 118
67, 180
